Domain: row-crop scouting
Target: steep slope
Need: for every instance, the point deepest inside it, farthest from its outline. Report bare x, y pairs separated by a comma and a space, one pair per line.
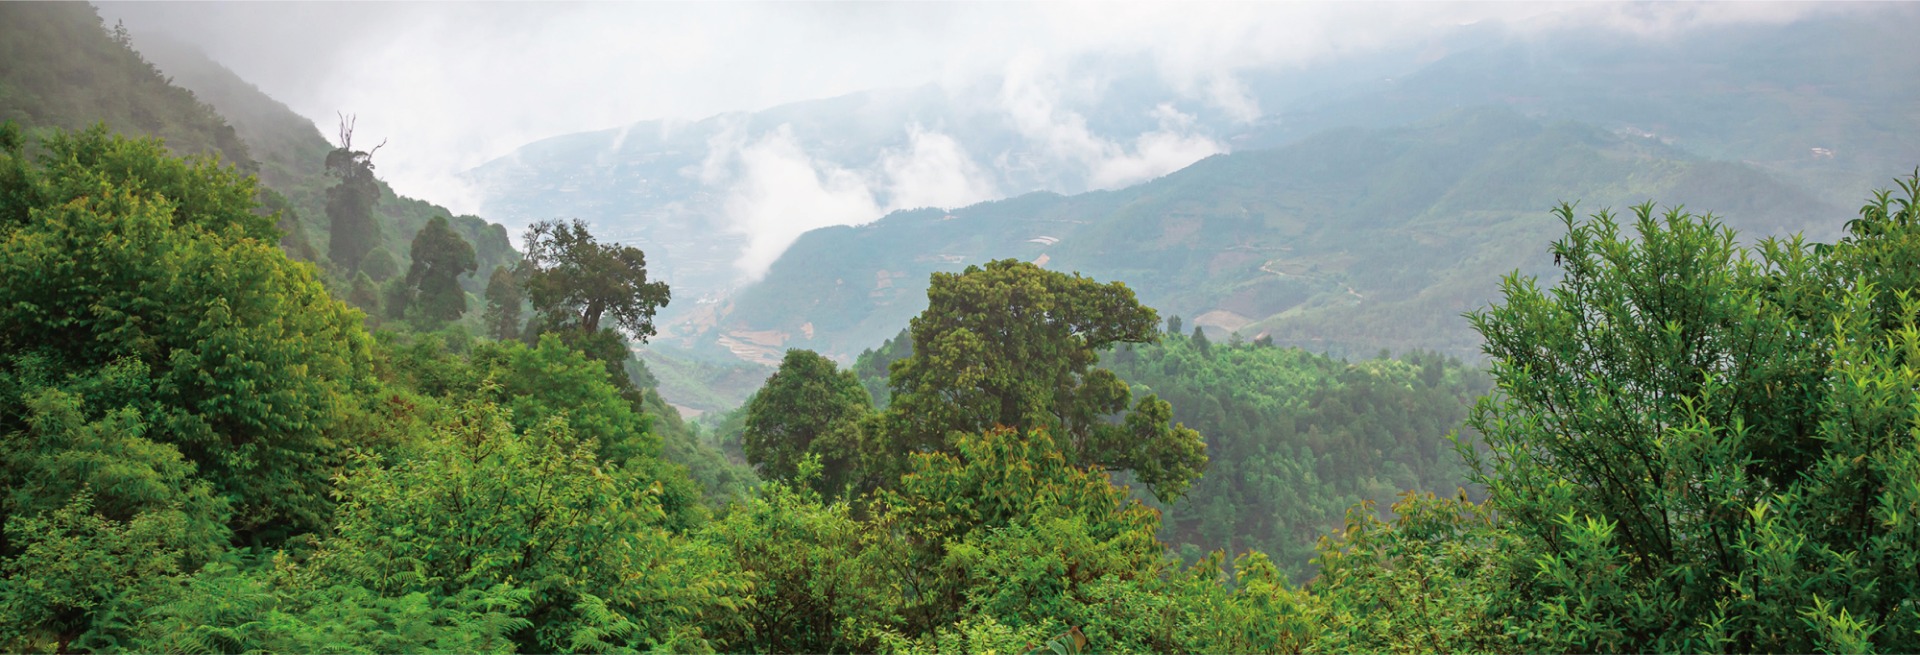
292, 155
60, 67
1350, 241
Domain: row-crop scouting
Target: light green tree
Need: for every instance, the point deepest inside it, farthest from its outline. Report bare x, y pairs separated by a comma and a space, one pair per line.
483, 505
115, 251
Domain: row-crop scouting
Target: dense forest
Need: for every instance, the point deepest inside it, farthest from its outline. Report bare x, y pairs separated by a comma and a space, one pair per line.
1689, 445
218, 435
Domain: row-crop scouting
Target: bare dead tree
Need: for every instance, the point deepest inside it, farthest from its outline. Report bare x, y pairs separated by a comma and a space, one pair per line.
346, 130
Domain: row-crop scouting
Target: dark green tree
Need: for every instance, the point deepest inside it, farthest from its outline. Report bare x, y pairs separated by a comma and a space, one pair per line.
1014, 345
1707, 447
503, 305
809, 407
350, 201
575, 282
396, 297
379, 264
364, 294
440, 257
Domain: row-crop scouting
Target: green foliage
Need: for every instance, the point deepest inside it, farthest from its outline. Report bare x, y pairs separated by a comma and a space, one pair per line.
873, 363
1005, 525
721, 478
1430, 581
504, 299
1703, 447
818, 581
551, 380
279, 606
574, 281
1014, 345
1295, 438
482, 505
396, 297
440, 257
379, 266
364, 295
94, 515
114, 251
810, 409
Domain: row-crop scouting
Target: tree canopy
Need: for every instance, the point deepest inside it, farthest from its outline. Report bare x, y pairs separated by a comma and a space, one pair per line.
809, 407
1689, 445
350, 202
1014, 345
440, 258
120, 258
574, 281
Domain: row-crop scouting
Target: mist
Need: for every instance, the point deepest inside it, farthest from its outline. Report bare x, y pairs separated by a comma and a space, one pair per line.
451, 86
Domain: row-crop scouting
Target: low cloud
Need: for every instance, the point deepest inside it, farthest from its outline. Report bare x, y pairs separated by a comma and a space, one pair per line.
455, 85
774, 192
1058, 136
1226, 93
1156, 153
771, 190
934, 170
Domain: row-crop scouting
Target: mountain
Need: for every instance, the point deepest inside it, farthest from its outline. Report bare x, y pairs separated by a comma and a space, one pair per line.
60, 67
292, 155
714, 201
1822, 101
1348, 242
1825, 100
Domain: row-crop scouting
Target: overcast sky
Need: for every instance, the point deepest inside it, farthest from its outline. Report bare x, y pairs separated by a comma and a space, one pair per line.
453, 85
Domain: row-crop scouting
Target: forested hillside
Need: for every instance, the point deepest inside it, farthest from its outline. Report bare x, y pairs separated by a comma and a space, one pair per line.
1296, 439
1156, 419
292, 156
71, 71
61, 68
1691, 445
64, 69
1819, 101
1347, 242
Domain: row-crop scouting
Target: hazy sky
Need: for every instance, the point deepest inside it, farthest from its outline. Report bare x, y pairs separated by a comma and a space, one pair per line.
453, 85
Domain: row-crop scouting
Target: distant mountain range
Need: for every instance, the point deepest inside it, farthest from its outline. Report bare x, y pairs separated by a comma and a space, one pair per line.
1349, 241
1822, 102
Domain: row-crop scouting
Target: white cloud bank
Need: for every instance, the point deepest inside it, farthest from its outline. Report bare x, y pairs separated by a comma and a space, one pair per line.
773, 191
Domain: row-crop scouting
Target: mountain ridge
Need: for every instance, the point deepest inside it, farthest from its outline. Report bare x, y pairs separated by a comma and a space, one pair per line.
1349, 241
